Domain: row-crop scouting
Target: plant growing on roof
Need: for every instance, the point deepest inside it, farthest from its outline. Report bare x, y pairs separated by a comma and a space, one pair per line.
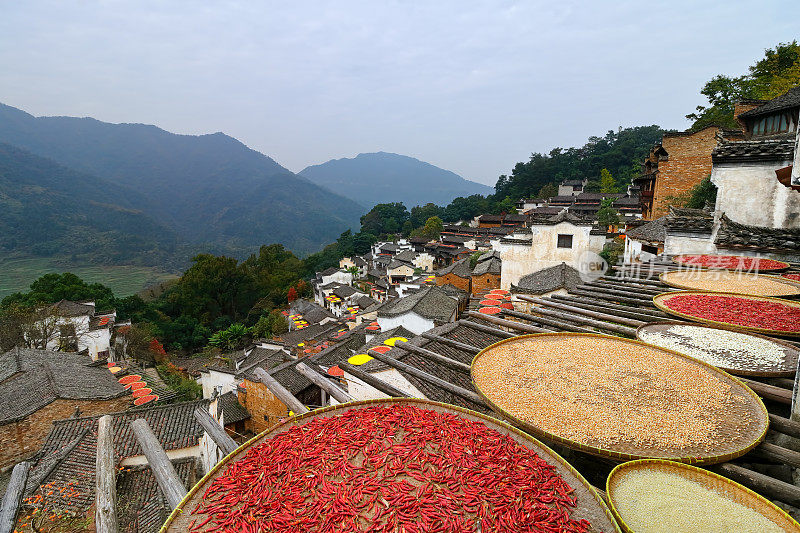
232, 338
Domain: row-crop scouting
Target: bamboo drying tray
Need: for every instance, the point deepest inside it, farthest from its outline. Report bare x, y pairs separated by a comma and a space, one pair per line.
659, 301
589, 505
751, 404
785, 369
722, 485
677, 259
677, 279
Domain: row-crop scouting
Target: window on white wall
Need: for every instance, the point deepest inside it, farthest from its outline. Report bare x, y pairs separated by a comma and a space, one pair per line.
564, 241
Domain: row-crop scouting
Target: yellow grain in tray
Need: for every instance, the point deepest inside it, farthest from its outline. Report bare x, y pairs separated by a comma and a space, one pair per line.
663, 502
602, 391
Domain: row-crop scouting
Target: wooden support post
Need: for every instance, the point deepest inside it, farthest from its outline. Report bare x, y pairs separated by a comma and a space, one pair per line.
323, 383
280, 392
168, 481
578, 319
518, 326
433, 356
215, 431
768, 487
105, 515
547, 302
424, 376
617, 292
486, 329
784, 425
450, 342
645, 315
776, 453
770, 392
625, 287
13, 497
373, 382
611, 298
562, 325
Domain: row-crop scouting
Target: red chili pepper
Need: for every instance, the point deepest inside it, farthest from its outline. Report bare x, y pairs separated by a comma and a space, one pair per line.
397, 468
738, 311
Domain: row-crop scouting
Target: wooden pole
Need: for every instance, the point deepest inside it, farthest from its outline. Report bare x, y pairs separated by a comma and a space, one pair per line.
630, 294
768, 487
105, 515
215, 431
603, 296
168, 481
581, 311
450, 342
372, 381
558, 324
779, 454
644, 315
519, 326
13, 497
322, 382
486, 329
280, 392
770, 392
433, 356
424, 376
578, 319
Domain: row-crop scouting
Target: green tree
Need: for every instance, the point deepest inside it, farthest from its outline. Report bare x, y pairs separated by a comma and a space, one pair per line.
233, 337
432, 229
703, 193
548, 191
607, 182
774, 74
607, 215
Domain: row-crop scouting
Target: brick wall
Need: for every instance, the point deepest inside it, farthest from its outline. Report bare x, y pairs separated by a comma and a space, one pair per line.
688, 162
452, 279
485, 282
742, 107
20, 440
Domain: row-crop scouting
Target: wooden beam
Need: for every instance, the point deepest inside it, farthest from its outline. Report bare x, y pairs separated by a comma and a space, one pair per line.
778, 454
519, 326
372, 381
105, 515
569, 324
579, 310
768, 487
280, 392
486, 329
450, 342
617, 292
424, 376
215, 431
612, 298
13, 497
784, 425
645, 315
625, 287
591, 322
168, 481
323, 383
433, 356
769, 392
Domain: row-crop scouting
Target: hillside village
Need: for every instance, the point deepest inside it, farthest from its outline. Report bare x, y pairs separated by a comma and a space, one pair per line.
404, 320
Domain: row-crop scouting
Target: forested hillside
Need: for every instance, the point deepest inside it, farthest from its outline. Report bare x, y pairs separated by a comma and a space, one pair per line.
208, 188
47, 209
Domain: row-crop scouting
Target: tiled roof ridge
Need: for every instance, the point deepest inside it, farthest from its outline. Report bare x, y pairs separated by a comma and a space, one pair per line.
132, 411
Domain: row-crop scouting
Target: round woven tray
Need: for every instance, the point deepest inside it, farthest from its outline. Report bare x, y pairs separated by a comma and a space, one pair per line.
722, 485
739, 445
677, 278
785, 369
589, 505
678, 259
659, 301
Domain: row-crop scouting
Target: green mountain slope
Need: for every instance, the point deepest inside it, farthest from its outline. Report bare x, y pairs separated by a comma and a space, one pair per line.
382, 177
48, 209
209, 188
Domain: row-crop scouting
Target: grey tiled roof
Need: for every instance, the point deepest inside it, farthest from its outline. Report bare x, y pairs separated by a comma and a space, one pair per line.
365, 302
490, 266
69, 308
458, 268
563, 216
686, 220
329, 271
406, 255
31, 379
262, 357
734, 235
232, 410
787, 100
653, 231
291, 338
345, 291
374, 365
557, 277
69, 452
778, 148
431, 303
141, 507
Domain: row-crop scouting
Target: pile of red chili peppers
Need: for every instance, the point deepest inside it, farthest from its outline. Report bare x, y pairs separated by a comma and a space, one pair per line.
389, 469
738, 311
731, 262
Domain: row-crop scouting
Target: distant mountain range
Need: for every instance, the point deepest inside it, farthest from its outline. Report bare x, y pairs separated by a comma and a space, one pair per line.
157, 187
382, 177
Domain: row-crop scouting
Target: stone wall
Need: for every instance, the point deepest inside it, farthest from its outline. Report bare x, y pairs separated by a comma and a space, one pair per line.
20, 440
687, 163
265, 409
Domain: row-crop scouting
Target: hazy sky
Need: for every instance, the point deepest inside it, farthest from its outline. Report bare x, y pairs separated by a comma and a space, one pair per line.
472, 87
